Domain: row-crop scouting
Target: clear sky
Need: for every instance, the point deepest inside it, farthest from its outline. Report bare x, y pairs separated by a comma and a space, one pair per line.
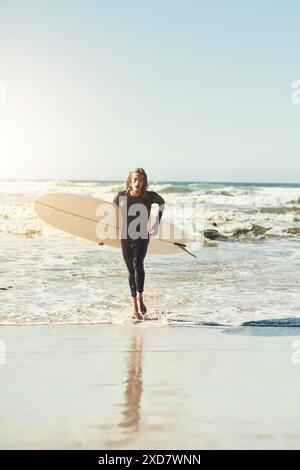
190, 90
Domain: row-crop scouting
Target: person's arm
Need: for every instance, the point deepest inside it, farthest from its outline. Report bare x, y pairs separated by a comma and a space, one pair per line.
157, 199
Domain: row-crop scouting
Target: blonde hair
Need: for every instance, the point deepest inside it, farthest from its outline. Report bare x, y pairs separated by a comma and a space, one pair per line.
145, 185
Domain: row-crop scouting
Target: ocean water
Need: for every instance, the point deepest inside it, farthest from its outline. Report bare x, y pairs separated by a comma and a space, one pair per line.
249, 274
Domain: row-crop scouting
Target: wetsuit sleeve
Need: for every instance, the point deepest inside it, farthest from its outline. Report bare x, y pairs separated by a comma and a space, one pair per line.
157, 199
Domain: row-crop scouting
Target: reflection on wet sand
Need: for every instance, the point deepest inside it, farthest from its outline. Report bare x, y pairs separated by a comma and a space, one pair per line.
134, 386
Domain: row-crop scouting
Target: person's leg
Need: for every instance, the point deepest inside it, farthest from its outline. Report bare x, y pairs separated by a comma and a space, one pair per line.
139, 254
127, 251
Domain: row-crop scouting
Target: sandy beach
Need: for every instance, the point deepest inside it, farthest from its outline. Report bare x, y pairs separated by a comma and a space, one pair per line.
149, 164
148, 387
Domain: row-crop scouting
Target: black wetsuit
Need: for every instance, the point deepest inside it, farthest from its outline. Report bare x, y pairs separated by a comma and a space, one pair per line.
134, 235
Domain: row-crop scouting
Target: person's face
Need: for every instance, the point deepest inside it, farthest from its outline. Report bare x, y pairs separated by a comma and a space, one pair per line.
136, 182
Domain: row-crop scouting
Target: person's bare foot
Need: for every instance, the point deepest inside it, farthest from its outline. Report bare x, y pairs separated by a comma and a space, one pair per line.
142, 310
135, 309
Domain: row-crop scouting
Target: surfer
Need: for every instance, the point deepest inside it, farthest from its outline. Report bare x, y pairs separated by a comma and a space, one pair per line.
135, 237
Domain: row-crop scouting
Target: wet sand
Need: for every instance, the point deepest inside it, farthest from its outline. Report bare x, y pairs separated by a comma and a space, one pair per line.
149, 387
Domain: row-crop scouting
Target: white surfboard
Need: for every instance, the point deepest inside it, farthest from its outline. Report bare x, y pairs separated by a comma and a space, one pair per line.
98, 221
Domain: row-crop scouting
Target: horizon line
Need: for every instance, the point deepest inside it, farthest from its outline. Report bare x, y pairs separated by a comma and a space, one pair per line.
150, 181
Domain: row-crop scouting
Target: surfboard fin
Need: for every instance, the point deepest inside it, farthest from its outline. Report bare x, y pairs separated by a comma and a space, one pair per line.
183, 247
